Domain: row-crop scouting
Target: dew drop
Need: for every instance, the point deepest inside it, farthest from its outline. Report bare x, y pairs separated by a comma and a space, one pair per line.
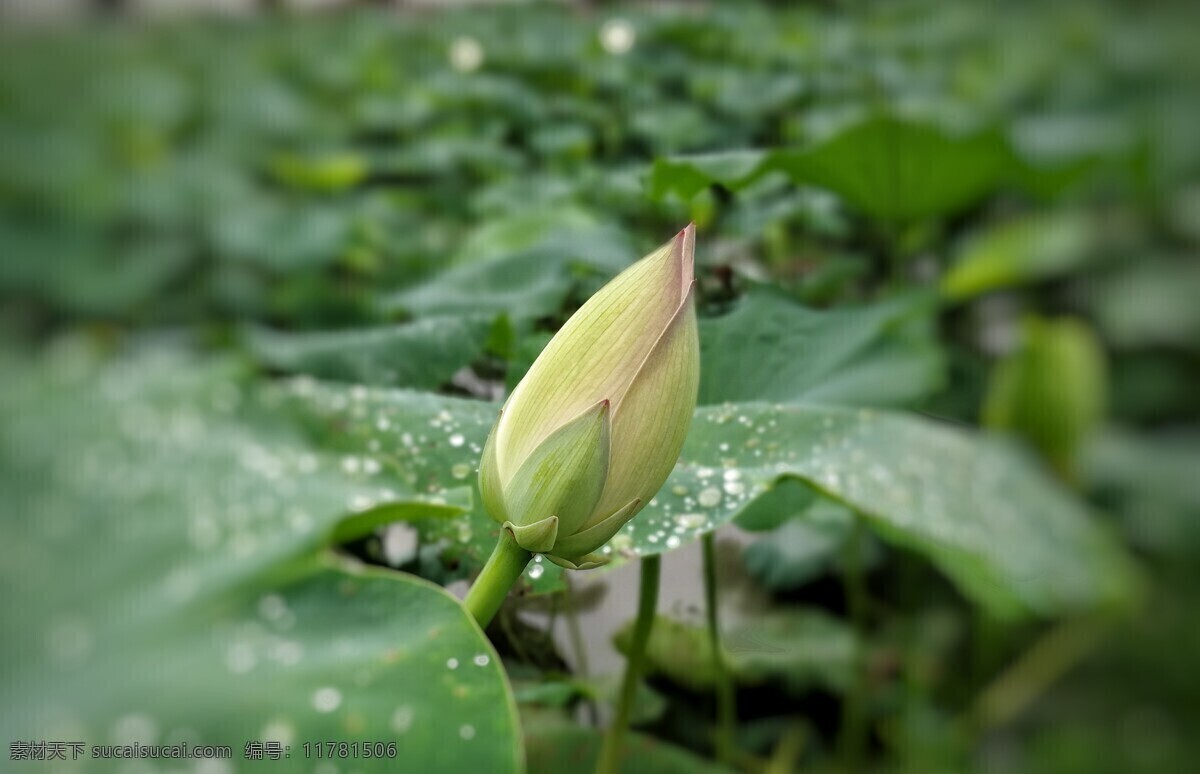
402, 719
287, 652
536, 571
467, 732
461, 470
691, 520
621, 542
457, 440
326, 699
135, 728
278, 731
272, 607
481, 659
710, 497
70, 640
204, 532
452, 663
240, 658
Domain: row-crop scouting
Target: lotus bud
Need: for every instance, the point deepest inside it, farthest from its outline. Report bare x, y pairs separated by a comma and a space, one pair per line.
1051, 390
596, 426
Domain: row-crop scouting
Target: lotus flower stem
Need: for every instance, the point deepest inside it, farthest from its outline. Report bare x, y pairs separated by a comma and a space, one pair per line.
726, 707
578, 644
610, 755
502, 570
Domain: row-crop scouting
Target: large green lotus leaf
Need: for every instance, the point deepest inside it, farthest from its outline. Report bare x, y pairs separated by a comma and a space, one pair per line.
887, 167
167, 581
411, 442
770, 348
901, 170
423, 354
976, 507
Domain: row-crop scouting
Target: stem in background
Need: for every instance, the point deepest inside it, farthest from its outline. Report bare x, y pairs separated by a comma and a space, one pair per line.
610, 755
577, 643
1050, 658
726, 707
853, 734
502, 570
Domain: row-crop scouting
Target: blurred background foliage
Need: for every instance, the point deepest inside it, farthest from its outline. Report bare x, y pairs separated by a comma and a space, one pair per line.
984, 217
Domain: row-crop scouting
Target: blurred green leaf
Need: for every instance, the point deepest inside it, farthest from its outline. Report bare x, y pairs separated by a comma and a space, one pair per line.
801, 549
280, 236
779, 502
1151, 481
525, 266
167, 584
1150, 303
1052, 390
798, 647
1026, 250
769, 348
648, 704
887, 167
323, 174
422, 354
559, 745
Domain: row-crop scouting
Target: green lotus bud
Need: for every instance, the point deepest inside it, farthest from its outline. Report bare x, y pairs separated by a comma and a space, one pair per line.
1052, 390
596, 426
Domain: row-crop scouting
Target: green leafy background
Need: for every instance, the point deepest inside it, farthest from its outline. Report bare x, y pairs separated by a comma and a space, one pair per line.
266, 280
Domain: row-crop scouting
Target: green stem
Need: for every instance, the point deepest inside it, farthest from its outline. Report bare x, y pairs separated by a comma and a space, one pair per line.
610, 755
853, 734
577, 643
1036, 670
726, 707
502, 570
